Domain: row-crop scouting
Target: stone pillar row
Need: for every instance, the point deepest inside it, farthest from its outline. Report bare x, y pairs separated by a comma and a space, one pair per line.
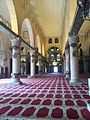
16, 60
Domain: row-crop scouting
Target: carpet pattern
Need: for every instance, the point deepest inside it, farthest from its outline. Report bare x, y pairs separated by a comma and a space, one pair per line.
45, 98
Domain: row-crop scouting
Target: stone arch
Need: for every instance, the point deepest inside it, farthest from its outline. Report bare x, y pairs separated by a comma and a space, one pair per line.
27, 32
4, 52
28, 35
8, 14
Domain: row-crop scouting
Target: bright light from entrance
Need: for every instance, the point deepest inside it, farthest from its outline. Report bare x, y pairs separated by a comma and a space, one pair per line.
55, 69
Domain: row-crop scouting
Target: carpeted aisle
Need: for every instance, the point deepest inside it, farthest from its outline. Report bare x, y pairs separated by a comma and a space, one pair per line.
47, 98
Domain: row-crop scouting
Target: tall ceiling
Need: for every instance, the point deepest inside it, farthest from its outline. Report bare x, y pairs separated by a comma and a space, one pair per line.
51, 15
55, 17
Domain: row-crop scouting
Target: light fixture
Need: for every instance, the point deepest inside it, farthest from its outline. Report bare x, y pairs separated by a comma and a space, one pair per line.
57, 49
58, 55
52, 55
37, 63
58, 59
54, 63
52, 49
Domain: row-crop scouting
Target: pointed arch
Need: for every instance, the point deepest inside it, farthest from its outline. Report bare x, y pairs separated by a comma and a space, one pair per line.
13, 17
27, 31
8, 14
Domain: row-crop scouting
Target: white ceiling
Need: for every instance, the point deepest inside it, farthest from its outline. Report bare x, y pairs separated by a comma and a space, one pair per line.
55, 17
50, 15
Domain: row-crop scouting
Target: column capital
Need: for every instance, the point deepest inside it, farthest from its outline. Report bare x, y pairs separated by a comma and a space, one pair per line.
15, 43
32, 54
39, 58
73, 39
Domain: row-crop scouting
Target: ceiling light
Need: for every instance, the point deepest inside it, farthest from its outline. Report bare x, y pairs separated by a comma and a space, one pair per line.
52, 55
58, 59
58, 55
54, 63
52, 50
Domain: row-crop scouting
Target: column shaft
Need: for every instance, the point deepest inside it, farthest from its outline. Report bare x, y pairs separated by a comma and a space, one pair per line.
32, 65
73, 60
67, 63
40, 64
15, 59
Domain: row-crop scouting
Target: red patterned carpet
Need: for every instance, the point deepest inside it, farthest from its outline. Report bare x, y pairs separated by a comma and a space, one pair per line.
48, 98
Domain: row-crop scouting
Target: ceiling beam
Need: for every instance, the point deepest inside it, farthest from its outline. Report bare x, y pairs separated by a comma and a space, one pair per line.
82, 11
78, 21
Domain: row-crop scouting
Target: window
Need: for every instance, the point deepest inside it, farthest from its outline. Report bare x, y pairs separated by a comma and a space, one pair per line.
50, 40
56, 40
55, 69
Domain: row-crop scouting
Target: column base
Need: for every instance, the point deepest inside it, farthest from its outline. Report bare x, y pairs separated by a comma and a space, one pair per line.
15, 78
67, 77
89, 92
30, 76
75, 82
88, 107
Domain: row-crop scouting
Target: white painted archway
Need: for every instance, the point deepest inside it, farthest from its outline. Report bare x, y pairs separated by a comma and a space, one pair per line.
8, 14
27, 33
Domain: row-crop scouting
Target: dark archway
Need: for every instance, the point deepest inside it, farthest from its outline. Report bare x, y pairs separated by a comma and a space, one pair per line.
55, 60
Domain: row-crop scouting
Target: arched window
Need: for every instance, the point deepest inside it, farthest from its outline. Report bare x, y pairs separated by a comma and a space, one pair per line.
56, 40
50, 40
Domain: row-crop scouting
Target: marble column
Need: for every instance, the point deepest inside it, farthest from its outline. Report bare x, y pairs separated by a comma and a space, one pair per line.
40, 64
64, 65
32, 63
45, 68
73, 60
67, 63
0, 71
85, 65
15, 59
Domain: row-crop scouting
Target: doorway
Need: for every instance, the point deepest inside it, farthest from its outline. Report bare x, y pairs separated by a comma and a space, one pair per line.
55, 69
